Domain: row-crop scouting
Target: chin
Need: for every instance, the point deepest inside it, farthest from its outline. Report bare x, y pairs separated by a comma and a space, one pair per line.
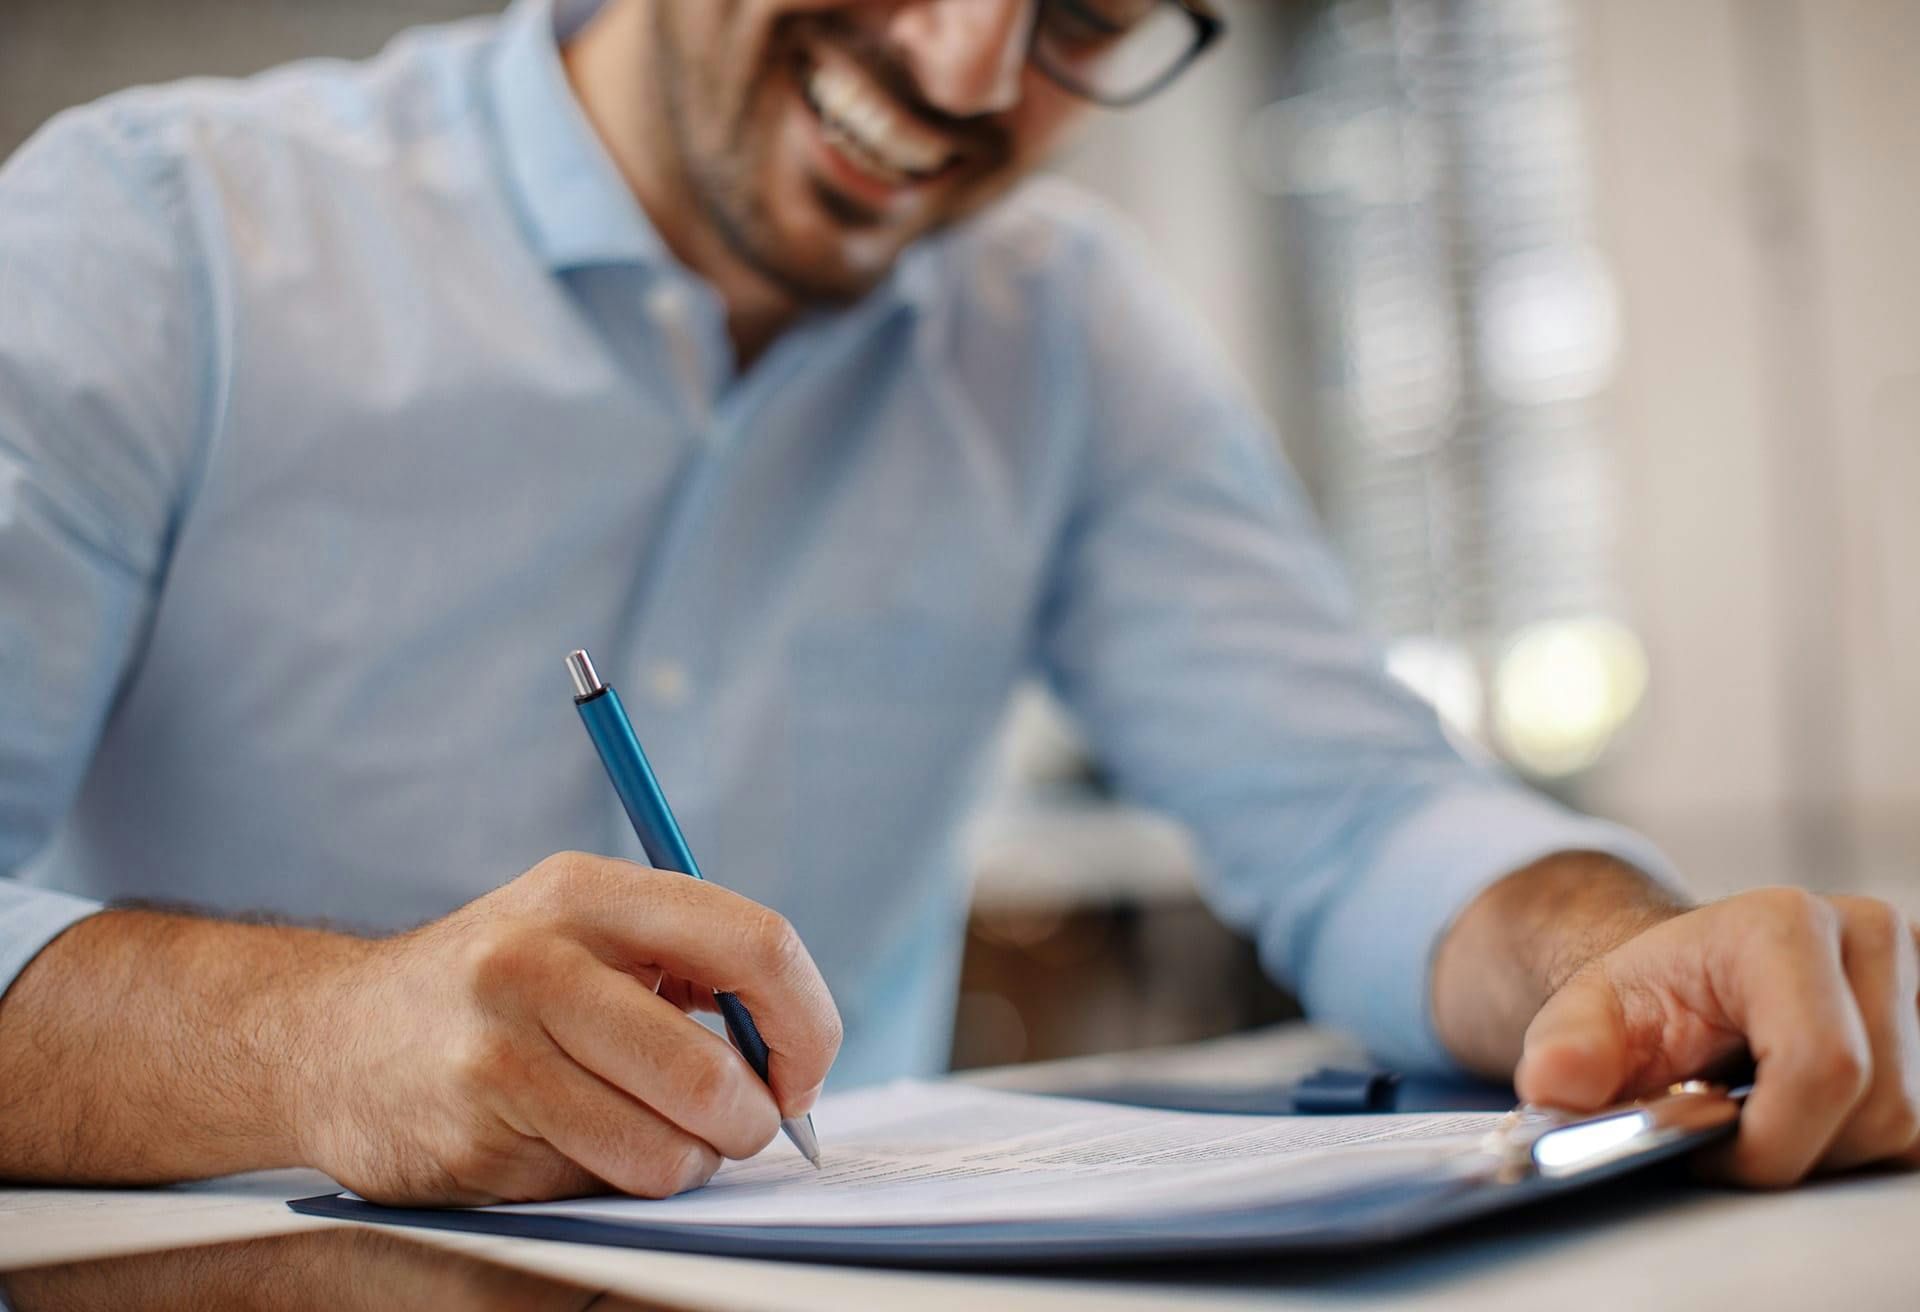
814, 214
820, 248
814, 266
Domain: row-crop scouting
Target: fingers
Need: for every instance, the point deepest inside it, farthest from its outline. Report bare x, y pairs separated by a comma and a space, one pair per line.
614, 1026
1784, 984
1576, 1052
606, 1133
1883, 971
535, 1171
704, 934
478, 1170
1824, 994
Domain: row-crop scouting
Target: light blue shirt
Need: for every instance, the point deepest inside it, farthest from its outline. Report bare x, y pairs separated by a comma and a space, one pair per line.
338, 404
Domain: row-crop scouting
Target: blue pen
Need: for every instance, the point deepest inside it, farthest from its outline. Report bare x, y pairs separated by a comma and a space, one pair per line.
613, 737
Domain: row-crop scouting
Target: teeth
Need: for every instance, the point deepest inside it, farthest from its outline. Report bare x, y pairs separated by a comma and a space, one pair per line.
862, 114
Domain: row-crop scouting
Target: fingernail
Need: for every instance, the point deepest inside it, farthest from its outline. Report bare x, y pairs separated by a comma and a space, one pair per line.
804, 1103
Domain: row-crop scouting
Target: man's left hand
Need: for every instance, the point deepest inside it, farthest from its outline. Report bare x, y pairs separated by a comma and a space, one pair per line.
1822, 992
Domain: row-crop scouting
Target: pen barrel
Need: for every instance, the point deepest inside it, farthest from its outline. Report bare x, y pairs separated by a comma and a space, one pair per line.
640, 793
746, 1035
666, 847
633, 779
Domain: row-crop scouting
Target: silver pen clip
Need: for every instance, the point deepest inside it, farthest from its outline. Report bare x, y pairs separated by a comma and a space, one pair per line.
1557, 1144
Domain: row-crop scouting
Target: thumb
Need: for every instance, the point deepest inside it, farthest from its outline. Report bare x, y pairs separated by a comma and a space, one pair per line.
1575, 1051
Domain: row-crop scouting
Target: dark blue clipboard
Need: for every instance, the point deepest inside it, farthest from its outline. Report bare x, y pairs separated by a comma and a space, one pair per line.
1535, 1156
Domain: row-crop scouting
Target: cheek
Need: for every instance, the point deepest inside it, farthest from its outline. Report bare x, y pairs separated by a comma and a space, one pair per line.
1046, 119
730, 55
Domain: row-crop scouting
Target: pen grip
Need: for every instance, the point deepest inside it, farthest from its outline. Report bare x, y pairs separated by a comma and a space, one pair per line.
746, 1036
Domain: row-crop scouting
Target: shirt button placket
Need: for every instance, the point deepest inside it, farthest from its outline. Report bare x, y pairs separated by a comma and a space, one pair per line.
670, 309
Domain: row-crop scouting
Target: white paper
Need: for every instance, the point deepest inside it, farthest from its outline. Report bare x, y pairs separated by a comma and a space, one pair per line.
915, 1153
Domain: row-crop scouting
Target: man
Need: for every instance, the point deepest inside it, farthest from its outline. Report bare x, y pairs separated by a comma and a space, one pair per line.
337, 405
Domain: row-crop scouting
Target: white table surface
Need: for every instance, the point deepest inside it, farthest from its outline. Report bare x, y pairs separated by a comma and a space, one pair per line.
1846, 1243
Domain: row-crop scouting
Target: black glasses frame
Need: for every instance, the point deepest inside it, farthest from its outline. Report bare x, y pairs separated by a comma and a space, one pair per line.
1208, 27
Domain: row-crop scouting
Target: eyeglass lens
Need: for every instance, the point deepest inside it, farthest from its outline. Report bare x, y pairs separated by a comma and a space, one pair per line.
1113, 50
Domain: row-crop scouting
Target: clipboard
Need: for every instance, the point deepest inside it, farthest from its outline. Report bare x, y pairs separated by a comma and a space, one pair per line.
1531, 1155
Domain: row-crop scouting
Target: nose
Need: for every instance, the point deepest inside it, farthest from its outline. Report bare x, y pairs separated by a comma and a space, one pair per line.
967, 55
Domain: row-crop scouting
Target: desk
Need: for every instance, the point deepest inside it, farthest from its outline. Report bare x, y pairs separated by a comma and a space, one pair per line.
1843, 1243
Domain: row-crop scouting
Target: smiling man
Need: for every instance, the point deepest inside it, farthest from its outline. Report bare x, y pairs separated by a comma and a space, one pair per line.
336, 405
792, 153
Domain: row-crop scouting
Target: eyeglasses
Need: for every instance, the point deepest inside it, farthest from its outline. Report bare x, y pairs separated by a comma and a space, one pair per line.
1119, 52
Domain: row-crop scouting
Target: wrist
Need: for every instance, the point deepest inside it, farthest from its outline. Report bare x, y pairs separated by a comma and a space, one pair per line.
314, 1024
1517, 943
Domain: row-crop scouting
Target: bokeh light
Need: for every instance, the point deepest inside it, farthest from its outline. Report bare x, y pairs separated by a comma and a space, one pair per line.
1563, 690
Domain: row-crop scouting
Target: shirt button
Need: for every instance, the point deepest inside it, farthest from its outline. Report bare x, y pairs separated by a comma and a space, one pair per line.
667, 304
668, 684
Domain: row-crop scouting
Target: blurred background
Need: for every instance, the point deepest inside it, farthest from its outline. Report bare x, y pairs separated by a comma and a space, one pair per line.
1593, 328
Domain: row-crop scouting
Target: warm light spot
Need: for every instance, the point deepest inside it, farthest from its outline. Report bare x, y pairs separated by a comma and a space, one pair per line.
1563, 690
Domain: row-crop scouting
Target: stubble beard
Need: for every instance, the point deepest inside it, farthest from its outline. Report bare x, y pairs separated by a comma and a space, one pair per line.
721, 186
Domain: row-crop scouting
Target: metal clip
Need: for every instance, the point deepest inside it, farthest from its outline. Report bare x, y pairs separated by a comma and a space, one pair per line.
1558, 1144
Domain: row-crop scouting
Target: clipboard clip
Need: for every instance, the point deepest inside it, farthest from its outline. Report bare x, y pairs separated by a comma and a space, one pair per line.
1559, 1145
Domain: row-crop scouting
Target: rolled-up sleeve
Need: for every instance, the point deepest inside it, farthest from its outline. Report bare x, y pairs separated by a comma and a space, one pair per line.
102, 384
31, 918
1201, 633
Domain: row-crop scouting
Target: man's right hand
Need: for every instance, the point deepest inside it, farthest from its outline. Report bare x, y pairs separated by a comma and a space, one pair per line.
517, 1050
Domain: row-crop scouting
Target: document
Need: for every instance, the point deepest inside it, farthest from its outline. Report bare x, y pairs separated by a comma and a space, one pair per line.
914, 1153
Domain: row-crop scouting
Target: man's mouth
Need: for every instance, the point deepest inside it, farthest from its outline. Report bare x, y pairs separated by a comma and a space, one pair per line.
865, 124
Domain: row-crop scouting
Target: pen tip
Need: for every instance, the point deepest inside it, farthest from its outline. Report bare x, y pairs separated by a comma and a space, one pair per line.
800, 1131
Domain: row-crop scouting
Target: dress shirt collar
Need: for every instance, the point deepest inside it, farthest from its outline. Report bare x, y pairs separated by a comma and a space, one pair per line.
578, 209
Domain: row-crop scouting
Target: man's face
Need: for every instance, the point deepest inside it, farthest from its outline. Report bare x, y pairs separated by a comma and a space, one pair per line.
821, 137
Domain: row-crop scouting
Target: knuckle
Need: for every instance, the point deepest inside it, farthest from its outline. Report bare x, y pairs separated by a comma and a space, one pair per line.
1794, 909
1840, 1070
671, 1169
697, 1165
1876, 926
485, 1062
501, 959
704, 1080
774, 943
833, 1030
556, 877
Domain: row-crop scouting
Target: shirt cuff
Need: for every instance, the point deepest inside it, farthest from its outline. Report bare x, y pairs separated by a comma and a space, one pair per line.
1371, 970
31, 918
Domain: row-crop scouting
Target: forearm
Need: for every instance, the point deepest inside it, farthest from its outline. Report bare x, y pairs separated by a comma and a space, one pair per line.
1519, 941
140, 1047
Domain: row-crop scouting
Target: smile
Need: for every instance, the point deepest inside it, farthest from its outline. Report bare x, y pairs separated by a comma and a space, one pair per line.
868, 127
